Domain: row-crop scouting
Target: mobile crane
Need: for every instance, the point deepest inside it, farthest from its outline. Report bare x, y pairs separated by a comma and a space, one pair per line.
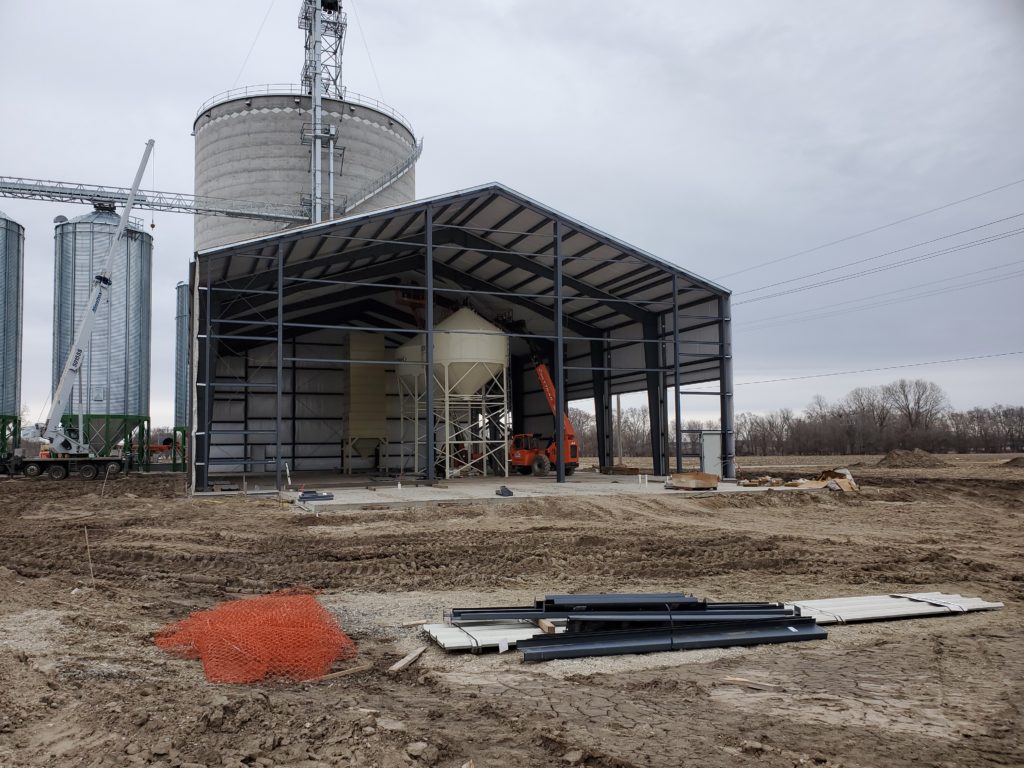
68, 450
526, 454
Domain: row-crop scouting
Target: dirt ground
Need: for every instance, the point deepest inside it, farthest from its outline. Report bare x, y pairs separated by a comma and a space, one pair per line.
81, 683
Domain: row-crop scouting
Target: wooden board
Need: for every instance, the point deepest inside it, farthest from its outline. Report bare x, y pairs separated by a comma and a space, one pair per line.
347, 672
406, 660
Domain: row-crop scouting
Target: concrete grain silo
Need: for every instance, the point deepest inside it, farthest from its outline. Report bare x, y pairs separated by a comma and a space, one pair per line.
12, 262
110, 400
249, 146
315, 145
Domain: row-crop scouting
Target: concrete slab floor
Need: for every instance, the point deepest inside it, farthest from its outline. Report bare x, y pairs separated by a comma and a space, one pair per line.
353, 491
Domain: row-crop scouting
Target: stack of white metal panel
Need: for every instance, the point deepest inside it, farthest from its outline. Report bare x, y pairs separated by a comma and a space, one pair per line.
843, 610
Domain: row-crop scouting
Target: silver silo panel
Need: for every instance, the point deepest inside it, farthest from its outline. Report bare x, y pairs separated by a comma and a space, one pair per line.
12, 259
181, 358
250, 146
112, 393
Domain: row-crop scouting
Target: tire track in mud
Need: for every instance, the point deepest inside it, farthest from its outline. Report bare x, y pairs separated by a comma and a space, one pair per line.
597, 542
599, 556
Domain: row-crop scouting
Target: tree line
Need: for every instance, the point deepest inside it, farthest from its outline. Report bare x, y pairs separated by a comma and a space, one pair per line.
906, 413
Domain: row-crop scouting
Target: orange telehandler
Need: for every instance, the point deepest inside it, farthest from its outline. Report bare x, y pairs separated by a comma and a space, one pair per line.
526, 453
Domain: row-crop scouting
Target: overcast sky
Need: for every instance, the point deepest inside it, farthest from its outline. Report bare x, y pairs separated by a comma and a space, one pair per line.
717, 136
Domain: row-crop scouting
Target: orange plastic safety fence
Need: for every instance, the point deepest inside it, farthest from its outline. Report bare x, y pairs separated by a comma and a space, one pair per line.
285, 634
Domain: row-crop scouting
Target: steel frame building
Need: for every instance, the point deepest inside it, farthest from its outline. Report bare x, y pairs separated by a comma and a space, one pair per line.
609, 317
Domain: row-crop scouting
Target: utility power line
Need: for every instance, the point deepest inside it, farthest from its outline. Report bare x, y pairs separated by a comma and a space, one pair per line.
881, 255
926, 294
887, 267
831, 310
366, 46
867, 370
257, 37
872, 230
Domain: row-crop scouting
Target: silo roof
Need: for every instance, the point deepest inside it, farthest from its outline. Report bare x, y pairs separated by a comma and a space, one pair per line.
104, 217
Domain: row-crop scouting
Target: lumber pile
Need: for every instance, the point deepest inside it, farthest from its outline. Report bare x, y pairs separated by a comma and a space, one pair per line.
692, 481
764, 480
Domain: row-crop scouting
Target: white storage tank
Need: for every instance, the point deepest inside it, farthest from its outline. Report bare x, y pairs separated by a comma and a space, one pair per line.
12, 263
112, 392
473, 350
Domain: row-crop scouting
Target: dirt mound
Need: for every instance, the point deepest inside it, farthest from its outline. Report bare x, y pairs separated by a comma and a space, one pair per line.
1016, 461
901, 459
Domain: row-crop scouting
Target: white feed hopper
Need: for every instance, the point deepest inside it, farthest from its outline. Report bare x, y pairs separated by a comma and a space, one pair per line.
474, 355
473, 350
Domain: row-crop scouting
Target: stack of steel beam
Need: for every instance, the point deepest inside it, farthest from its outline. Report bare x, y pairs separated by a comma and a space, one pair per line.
603, 625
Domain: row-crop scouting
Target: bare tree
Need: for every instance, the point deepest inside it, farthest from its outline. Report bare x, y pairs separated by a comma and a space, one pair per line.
868, 419
919, 403
585, 425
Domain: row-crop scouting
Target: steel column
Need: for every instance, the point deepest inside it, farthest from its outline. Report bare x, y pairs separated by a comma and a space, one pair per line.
675, 377
726, 388
652, 362
663, 390
279, 363
316, 208
428, 332
207, 421
559, 358
602, 403
330, 175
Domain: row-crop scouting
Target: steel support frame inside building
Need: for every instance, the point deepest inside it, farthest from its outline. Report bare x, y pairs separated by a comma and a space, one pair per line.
607, 317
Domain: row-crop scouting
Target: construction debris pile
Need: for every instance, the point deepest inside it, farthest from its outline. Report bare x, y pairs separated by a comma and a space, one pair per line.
763, 481
831, 480
571, 626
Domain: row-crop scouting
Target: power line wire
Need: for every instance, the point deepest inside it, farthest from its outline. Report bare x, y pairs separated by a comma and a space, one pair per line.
868, 370
870, 231
887, 267
925, 294
881, 255
804, 313
366, 45
257, 37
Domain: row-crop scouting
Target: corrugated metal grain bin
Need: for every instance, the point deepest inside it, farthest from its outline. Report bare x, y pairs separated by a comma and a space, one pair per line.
112, 393
12, 262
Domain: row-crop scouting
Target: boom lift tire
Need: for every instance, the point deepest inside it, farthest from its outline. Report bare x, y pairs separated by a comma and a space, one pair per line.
88, 472
541, 465
32, 470
58, 472
569, 470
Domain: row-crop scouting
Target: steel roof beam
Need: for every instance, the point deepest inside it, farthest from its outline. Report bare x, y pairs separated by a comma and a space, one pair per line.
475, 283
337, 258
494, 251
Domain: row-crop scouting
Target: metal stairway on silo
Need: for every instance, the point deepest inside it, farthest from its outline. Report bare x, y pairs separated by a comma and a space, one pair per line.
378, 185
